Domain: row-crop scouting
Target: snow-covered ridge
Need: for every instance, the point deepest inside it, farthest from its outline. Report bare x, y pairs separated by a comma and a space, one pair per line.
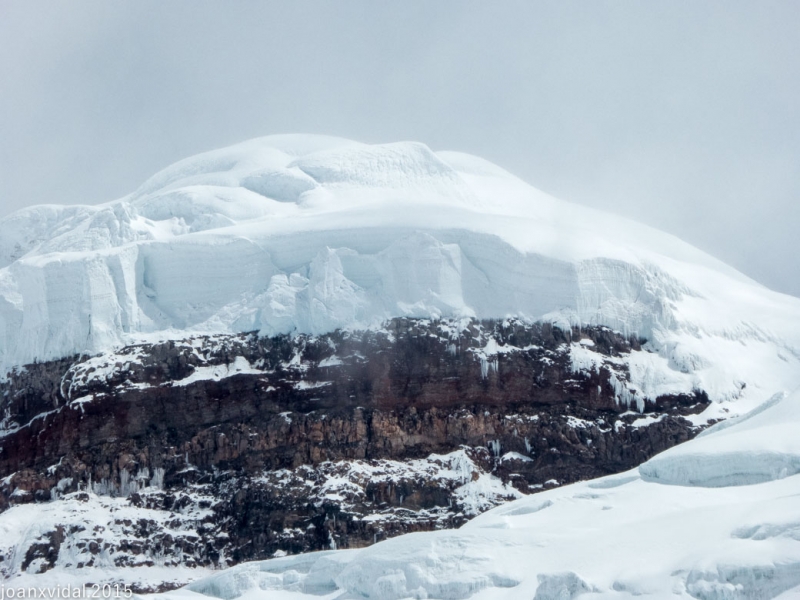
310, 234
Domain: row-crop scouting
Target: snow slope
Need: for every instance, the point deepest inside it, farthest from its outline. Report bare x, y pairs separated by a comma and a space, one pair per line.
311, 233
677, 527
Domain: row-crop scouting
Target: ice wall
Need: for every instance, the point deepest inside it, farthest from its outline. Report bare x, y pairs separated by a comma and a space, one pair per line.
61, 303
308, 233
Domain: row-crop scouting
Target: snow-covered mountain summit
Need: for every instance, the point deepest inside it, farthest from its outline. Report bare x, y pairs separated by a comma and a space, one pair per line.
187, 441
311, 233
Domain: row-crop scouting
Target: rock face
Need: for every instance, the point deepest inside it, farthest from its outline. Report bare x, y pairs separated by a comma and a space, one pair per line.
220, 449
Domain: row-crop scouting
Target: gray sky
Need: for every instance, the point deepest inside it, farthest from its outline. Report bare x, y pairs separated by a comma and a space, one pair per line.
682, 114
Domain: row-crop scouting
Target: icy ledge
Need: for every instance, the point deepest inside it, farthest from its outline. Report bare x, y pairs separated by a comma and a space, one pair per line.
761, 446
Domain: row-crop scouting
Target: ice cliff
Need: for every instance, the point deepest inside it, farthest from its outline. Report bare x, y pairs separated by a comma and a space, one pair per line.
310, 234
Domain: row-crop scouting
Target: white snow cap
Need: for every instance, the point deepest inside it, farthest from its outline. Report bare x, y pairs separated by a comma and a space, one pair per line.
301, 233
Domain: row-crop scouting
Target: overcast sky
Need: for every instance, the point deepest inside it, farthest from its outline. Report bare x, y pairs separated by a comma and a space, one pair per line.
683, 115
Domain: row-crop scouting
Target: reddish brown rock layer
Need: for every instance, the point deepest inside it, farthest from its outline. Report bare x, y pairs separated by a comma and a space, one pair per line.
399, 394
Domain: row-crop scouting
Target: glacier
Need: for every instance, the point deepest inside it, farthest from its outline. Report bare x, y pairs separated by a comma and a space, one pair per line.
309, 234
302, 233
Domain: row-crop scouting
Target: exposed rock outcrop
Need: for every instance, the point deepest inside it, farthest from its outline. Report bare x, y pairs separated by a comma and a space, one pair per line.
220, 449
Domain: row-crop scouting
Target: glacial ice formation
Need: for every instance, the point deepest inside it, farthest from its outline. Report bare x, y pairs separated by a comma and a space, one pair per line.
311, 233
761, 446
